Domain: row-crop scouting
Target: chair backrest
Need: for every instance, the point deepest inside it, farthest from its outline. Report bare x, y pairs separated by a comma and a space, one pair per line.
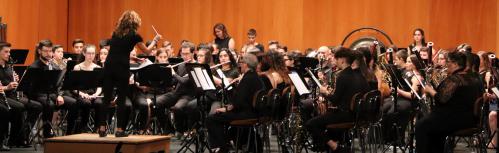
479, 110
286, 103
356, 98
259, 101
273, 102
370, 108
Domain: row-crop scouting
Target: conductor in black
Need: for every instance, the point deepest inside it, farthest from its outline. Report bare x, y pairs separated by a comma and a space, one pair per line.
117, 68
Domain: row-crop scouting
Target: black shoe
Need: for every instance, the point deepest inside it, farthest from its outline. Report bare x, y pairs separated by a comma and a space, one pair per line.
22, 144
4, 148
121, 134
102, 133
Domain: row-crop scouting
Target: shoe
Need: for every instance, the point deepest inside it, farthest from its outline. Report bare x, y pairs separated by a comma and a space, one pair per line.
4, 148
102, 133
121, 134
22, 144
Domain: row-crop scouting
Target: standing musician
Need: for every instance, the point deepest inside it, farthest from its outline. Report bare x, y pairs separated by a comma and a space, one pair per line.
222, 37
89, 98
418, 40
11, 109
252, 42
117, 70
454, 104
348, 83
44, 61
240, 106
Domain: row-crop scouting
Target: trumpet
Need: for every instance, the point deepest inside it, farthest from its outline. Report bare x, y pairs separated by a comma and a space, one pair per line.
218, 65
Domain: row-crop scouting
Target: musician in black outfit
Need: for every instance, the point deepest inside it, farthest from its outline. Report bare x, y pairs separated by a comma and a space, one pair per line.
184, 89
55, 99
454, 104
348, 83
222, 37
117, 70
240, 106
14, 115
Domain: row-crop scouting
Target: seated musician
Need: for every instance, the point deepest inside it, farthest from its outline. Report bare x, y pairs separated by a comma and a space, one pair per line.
406, 98
454, 104
44, 61
347, 84
183, 92
275, 73
240, 106
87, 99
13, 109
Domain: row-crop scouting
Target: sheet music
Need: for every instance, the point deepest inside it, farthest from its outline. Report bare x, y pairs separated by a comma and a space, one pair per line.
300, 86
208, 79
314, 78
224, 79
147, 62
193, 74
495, 91
200, 76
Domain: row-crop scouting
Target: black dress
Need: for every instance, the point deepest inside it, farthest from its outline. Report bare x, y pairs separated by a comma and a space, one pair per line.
116, 74
222, 43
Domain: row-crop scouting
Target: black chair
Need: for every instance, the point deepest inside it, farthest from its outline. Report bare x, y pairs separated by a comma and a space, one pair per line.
259, 104
475, 133
352, 127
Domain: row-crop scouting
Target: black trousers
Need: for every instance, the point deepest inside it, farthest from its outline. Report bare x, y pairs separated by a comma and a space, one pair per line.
401, 117
215, 124
84, 108
432, 129
317, 126
115, 76
49, 106
177, 104
16, 117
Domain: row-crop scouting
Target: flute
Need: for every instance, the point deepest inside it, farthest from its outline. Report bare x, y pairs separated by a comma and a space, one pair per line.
173, 66
218, 65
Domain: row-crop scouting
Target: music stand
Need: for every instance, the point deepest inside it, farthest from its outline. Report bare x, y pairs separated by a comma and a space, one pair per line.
71, 56
83, 80
18, 56
156, 76
201, 75
306, 62
175, 60
151, 58
36, 80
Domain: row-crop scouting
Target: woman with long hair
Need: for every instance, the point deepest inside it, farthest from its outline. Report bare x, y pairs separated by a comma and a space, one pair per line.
117, 70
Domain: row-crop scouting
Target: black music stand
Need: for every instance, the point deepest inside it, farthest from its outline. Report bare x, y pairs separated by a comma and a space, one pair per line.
37, 80
83, 80
18, 56
175, 60
201, 75
306, 62
156, 76
71, 56
151, 58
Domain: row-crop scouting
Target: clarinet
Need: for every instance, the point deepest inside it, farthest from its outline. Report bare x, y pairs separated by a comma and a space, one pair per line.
4, 98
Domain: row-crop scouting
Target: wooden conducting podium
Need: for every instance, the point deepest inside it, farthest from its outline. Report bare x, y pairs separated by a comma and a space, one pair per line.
91, 143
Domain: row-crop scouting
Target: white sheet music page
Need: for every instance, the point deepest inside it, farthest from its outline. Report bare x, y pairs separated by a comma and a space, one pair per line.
211, 85
300, 86
224, 79
193, 74
495, 91
200, 76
